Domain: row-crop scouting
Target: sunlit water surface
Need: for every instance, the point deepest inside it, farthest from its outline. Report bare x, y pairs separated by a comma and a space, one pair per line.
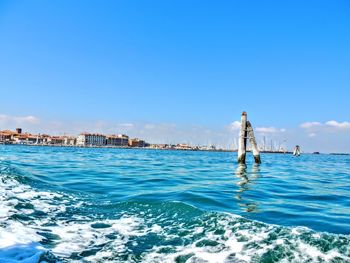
123, 205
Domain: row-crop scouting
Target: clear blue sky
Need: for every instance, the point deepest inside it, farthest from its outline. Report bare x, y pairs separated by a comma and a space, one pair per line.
202, 62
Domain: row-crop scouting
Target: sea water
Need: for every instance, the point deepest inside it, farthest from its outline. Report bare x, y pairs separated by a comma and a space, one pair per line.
61, 204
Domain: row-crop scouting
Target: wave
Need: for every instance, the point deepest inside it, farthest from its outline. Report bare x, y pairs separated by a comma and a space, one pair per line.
42, 225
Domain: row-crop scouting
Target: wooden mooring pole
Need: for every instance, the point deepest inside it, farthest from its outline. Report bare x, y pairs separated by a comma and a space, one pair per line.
253, 143
242, 143
247, 132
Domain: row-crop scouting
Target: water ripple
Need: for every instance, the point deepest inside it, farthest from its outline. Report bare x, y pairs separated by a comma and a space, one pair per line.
148, 205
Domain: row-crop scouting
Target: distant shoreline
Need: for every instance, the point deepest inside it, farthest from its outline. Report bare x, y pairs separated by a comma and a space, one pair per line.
150, 148
116, 147
137, 148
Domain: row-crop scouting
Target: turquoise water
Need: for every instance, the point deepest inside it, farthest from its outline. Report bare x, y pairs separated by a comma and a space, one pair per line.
123, 205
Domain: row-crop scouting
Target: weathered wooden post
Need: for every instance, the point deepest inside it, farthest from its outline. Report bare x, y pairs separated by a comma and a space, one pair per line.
253, 143
242, 144
247, 132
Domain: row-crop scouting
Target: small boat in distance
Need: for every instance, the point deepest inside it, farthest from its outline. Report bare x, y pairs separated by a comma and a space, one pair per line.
296, 151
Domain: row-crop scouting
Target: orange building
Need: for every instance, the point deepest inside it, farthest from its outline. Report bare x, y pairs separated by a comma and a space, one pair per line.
136, 142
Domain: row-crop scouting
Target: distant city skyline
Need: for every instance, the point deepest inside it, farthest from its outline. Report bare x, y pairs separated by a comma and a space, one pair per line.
312, 136
179, 71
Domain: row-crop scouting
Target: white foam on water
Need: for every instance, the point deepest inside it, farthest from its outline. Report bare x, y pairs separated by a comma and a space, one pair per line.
17, 233
307, 252
198, 230
20, 241
77, 237
247, 242
279, 241
6, 207
155, 228
238, 239
127, 226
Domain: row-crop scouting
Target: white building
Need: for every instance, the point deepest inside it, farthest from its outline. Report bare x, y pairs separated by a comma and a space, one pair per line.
91, 139
69, 140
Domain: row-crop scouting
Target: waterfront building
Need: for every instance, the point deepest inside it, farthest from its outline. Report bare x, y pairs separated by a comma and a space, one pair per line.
57, 140
136, 143
84, 139
183, 146
91, 139
69, 140
17, 136
25, 138
40, 139
120, 140
44, 139
7, 135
